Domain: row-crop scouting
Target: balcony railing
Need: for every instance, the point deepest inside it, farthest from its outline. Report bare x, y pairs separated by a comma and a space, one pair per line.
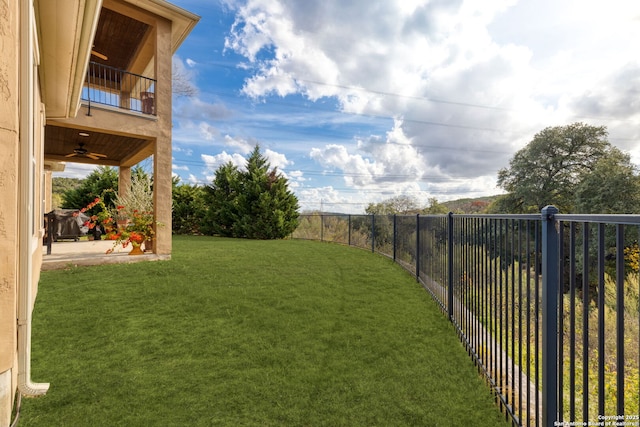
546, 305
110, 86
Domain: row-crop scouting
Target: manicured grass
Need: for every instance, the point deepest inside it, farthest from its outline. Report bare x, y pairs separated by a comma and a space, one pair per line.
249, 333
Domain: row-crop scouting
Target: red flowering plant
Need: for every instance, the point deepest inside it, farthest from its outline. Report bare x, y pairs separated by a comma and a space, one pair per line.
100, 218
134, 227
133, 223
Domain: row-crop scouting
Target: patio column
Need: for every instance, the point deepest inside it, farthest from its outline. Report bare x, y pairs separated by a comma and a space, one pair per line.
162, 197
124, 181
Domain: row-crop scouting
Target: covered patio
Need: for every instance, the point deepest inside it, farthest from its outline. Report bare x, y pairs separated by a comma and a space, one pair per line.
69, 254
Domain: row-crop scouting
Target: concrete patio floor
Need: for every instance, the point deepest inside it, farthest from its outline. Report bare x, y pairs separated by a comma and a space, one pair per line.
65, 254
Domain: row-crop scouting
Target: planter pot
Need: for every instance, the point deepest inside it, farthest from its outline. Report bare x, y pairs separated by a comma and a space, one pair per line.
136, 250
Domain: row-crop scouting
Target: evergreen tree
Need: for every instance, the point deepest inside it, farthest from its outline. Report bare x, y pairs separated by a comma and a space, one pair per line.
188, 208
256, 203
222, 202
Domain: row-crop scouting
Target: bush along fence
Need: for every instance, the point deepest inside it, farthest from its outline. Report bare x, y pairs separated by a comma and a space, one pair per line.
546, 305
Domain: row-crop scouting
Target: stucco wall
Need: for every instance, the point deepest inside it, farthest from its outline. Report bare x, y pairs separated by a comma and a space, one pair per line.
8, 202
163, 152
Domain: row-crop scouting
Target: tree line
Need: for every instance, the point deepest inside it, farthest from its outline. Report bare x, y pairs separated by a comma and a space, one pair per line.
253, 202
573, 167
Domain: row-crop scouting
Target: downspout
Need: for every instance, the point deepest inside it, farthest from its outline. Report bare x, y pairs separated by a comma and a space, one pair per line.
25, 202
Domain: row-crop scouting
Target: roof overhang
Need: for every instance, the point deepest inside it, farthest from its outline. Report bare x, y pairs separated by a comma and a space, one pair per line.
182, 21
65, 31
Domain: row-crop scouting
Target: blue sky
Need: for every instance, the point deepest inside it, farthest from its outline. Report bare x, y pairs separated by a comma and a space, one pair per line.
357, 102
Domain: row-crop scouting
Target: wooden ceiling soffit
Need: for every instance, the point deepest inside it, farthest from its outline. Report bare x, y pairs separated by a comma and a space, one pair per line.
139, 155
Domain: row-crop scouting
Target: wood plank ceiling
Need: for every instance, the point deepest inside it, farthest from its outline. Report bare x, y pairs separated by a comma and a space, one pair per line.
116, 149
117, 41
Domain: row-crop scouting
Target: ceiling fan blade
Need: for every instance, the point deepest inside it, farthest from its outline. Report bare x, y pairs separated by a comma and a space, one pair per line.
99, 55
98, 154
70, 155
91, 156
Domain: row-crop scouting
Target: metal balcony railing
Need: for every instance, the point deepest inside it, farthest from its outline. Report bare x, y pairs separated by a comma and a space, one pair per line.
117, 88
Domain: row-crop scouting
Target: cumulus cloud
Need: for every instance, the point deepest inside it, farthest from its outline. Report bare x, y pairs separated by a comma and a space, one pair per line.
213, 162
241, 144
466, 85
276, 160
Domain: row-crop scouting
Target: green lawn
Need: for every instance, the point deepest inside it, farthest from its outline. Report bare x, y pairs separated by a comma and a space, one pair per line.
249, 333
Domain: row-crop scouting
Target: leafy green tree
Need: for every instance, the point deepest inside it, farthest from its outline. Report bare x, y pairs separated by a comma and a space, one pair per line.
401, 204
436, 208
612, 186
255, 203
61, 185
550, 168
189, 208
383, 224
101, 182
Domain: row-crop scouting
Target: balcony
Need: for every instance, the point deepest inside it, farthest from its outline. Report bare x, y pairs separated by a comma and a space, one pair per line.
113, 87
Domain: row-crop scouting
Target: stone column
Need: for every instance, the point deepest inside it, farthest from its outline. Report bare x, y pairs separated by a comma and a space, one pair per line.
124, 181
162, 186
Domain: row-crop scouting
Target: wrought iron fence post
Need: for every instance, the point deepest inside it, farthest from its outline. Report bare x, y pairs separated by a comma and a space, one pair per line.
322, 227
373, 233
550, 288
450, 265
349, 233
418, 248
395, 234
50, 218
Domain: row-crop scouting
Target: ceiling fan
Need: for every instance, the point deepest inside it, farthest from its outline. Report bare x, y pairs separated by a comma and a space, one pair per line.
80, 151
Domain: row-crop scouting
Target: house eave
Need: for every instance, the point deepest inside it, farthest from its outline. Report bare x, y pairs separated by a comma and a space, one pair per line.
182, 20
66, 32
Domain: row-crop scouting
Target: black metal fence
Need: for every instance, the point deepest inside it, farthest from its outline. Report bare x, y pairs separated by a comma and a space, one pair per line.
120, 89
546, 305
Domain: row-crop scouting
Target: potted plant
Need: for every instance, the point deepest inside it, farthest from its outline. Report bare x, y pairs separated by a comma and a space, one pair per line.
131, 221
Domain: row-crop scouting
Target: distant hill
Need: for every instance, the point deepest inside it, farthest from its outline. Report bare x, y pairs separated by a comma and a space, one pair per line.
59, 186
470, 206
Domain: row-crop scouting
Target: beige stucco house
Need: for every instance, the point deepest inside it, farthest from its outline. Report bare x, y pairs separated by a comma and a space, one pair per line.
80, 81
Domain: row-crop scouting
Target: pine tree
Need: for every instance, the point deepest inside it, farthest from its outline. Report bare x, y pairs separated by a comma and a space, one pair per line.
255, 204
222, 202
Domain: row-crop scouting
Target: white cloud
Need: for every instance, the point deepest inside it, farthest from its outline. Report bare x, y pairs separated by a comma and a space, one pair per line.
185, 151
75, 170
468, 82
194, 109
240, 144
276, 160
179, 168
213, 162
207, 131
